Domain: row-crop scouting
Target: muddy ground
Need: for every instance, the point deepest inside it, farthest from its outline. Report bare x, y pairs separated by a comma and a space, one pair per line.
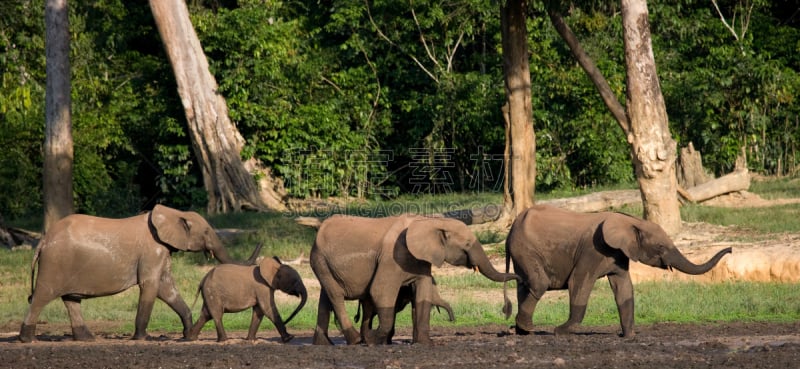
729, 345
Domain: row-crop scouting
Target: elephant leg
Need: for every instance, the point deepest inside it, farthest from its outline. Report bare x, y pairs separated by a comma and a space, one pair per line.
623, 295
80, 332
168, 293
579, 290
351, 335
380, 335
204, 317
216, 315
323, 320
39, 300
147, 296
368, 314
384, 297
523, 323
529, 291
421, 310
422, 322
255, 322
269, 309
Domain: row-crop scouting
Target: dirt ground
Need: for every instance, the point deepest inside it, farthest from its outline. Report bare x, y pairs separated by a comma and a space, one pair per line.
735, 345
666, 345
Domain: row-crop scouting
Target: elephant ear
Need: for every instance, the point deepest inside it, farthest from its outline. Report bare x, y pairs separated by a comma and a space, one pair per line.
172, 226
620, 232
426, 238
267, 268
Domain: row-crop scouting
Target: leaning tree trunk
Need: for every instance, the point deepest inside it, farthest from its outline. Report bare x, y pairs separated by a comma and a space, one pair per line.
586, 62
58, 152
216, 141
652, 148
520, 156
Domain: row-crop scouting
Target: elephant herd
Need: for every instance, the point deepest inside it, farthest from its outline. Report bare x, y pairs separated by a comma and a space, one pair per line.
383, 263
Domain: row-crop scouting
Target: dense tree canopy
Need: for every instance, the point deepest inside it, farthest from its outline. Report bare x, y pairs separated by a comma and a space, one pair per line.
382, 97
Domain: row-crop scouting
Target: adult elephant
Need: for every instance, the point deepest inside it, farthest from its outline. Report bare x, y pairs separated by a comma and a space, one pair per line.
84, 256
556, 249
357, 258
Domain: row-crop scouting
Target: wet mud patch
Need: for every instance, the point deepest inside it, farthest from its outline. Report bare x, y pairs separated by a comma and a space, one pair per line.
730, 345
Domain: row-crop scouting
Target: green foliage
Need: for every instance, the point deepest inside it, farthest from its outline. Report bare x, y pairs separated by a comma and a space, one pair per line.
729, 93
316, 121
379, 99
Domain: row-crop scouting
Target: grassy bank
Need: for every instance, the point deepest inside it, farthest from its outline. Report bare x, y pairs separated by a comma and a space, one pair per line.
475, 299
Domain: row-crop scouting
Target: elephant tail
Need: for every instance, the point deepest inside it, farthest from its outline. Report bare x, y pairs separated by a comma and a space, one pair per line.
200, 288
506, 301
33, 271
357, 317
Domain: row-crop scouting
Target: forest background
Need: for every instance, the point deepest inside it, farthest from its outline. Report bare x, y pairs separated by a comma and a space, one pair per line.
379, 99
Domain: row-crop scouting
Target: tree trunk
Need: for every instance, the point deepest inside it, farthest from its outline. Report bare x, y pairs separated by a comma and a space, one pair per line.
520, 155
653, 149
58, 152
216, 141
690, 170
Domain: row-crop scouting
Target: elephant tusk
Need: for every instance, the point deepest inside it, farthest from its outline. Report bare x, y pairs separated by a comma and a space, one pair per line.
476, 269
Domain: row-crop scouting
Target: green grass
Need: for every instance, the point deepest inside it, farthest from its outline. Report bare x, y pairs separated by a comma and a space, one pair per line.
475, 300
765, 220
776, 188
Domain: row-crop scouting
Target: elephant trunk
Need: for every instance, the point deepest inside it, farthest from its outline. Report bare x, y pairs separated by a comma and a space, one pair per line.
221, 254
681, 263
303, 297
450, 316
478, 258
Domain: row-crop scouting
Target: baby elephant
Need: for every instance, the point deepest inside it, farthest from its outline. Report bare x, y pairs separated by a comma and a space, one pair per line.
232, 288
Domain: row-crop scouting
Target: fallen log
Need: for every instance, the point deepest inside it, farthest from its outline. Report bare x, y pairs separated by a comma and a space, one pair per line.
598, 201
738, 180
13, 237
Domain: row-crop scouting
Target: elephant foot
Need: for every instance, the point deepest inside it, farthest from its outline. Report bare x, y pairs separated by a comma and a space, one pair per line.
629, 335
563, 330
27, 333
423, 341
139, 337
352, 337
521, 331
321, 339
288, 337
82, 334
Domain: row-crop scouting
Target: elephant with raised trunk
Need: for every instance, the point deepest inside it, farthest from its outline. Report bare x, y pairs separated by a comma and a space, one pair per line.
556, 249
233, 288
84, 256
357, 258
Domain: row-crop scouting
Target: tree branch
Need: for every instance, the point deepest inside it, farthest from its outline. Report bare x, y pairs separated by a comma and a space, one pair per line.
383, 36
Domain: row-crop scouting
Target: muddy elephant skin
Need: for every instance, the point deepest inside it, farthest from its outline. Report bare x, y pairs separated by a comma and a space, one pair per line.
556, 249
357, 258
232, 288
84, 256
